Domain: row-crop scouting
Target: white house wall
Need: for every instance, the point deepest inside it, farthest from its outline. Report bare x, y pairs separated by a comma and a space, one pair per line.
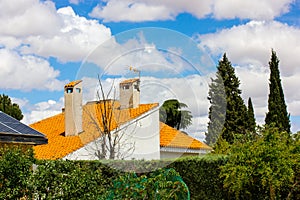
142, 131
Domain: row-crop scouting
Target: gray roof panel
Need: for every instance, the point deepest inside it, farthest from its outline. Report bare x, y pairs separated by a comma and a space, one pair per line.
11, 126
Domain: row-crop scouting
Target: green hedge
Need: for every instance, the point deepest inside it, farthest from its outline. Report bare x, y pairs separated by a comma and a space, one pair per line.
201, 174
23, 176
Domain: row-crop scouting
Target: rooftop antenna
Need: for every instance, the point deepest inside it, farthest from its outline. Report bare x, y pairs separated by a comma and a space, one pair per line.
136, 71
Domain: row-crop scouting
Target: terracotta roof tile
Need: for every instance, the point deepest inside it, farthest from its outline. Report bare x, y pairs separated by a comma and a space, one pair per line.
170, 137
129, 80
73, 83
59, 146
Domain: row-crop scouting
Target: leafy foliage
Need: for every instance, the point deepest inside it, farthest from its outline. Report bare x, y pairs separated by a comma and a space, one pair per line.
171, 113
15, 172
251, 118
10, 108
236, 111
261, 168
277, 111
201, 174
161, 184
67, 180
217, 110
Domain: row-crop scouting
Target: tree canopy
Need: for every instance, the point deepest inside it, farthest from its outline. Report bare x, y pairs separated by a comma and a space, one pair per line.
217, 109
236, 111
262, 168
171, 113
277, 114
250, 115
10, 108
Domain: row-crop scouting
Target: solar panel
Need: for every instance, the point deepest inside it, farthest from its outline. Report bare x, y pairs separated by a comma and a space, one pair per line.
9, 125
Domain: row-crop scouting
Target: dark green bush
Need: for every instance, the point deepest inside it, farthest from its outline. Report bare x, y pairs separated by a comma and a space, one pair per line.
69, 180
97, 180
15, 171
201, 174
163, 184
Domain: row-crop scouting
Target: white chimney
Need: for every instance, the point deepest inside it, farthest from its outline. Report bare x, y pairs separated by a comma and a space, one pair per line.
130, 93
73, 108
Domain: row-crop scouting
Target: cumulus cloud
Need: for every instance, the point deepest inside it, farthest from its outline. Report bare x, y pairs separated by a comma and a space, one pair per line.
250, 9
114, 58
150, 10
251, 43
31, 32
148, 53
26, 72
40, 110
27, 18
73, 41
248, 47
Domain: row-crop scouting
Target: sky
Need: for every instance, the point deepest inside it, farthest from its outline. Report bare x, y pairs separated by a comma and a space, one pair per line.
175, 45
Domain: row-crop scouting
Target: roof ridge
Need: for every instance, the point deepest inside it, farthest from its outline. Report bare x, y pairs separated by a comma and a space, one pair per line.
56, 115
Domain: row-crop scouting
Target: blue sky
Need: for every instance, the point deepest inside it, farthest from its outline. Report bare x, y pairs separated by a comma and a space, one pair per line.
45, 44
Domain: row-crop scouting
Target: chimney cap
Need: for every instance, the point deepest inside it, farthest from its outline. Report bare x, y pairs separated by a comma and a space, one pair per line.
73, 83
130, 80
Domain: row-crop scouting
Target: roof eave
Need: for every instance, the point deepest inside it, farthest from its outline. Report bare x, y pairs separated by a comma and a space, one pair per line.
21, 138
183, 150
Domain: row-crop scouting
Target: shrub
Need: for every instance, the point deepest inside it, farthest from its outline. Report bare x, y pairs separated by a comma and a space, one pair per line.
163, 184
15, 171
201, 174
68, 180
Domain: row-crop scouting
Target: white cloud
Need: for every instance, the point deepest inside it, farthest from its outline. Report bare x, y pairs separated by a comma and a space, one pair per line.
76, 2
32, 31
41, 110
248, 47
250, 9
252, 43
198, 127
254, 84
151, 10
73, 41
27, 72
25, 18
150, 56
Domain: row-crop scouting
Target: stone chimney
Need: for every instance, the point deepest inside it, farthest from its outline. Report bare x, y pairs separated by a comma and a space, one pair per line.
73, 108
130, 93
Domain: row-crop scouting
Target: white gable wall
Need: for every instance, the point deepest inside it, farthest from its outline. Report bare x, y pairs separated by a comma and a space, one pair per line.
141, 133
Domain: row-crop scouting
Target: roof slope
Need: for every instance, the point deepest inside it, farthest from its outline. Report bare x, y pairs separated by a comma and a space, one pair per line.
13, 131
170, 137
60, 146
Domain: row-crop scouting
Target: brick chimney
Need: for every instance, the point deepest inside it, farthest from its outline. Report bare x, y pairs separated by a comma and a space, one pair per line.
73, 108
130, 93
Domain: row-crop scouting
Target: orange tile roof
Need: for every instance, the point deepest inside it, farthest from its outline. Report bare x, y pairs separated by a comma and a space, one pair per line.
129, 80
170, 137
60, 146
73, 83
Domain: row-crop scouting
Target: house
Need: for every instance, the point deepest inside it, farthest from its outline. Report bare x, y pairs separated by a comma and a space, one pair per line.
13, 132
77, 133
174, 143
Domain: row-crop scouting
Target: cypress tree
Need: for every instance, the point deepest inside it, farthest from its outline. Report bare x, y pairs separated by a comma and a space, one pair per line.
217, 110
236, 111
251, 118
277, 114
